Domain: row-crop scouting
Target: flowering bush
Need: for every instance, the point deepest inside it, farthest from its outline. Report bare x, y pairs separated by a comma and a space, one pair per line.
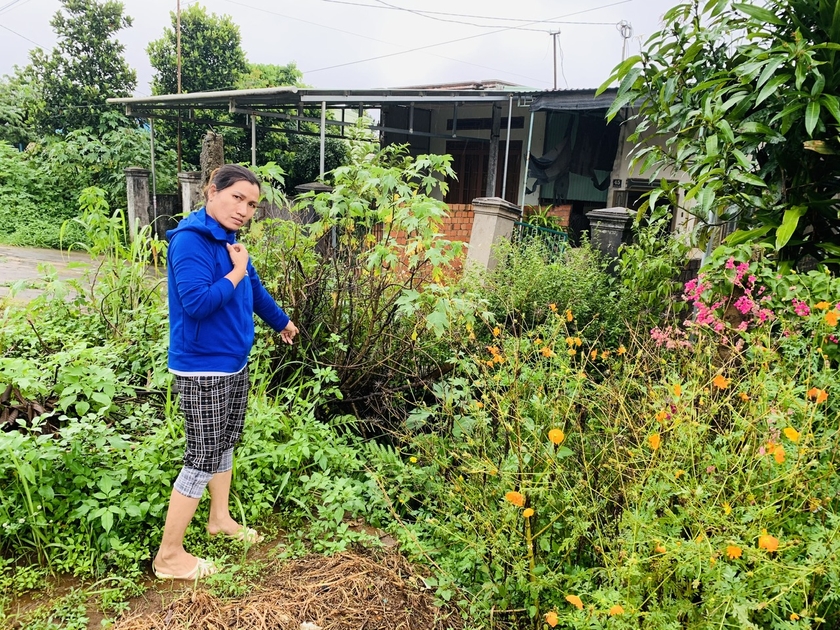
739, 297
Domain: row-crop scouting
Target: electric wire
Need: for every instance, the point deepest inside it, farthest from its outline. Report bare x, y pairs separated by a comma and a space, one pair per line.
381, 41
464, 15
452, 41
23, 37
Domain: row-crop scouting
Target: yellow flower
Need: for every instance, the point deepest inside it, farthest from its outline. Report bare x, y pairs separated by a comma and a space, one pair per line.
792, 434
654, 441
517, 498
556, 436
661, 415
574, 600
679, 473
578, 342
831, 318
569, 316
621, 350
551, 618
478, 404
727, 509
547, 352
527, 512
616, 610
720, 381
569, 341
794, 617
660, 548
744, 396
677, 390
497, 331
553, 307
413, 460
823, 306
820, 395
537, 341
768, 542
571, 352
733, 552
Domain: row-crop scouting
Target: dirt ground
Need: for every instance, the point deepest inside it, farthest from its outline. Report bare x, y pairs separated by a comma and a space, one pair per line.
21, 263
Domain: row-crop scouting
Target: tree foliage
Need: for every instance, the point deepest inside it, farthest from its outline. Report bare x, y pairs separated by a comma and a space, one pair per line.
85, 68
745, 98
20, 106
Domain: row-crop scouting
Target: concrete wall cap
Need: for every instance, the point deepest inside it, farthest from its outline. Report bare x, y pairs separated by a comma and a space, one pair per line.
137, 170
611, 214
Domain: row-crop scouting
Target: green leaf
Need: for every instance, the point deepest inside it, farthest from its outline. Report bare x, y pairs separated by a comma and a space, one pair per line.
830, 102
831, 248
749, 178
620, 102
771, 87
107, 520
726, 130
812, 115
758, 13
789, 224
739, 237
770, 70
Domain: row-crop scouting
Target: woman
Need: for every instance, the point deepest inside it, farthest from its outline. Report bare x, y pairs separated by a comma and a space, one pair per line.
214, 292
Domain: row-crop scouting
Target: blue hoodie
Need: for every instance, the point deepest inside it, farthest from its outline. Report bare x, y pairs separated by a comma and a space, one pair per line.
211, 322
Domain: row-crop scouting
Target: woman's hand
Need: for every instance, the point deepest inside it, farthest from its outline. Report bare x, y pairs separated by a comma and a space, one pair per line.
289, 332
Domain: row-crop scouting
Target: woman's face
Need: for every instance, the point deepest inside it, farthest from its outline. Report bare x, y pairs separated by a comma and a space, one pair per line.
233, 207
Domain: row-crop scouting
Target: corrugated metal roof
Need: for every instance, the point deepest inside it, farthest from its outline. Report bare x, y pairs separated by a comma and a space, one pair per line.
570, 100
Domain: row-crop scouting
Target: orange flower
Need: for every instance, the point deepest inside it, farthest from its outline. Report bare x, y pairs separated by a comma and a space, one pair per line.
820, 395
571, 352
605, 354
551, 618
660, 548
574, 600
768, 542
677, 390
517, 498
779, 454
527, 512
733, 552
497, 331
553, 308
661, 415
621, 350
537, 341
556, 436
569, 316
547, 352
744, 396
569, 341
831, 318
593, 355
494, 350
720, 381
578, 342
792, 434
489, 363
498, 359
679, 473
616, 610
654, 441
823, 306
794, 617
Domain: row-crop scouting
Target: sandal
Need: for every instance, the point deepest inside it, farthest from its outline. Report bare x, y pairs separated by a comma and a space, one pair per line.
244, 534
203, 568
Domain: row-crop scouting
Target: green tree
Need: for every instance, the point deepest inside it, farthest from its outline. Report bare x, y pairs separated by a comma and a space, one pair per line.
85, 68
21, 104
262, 75
745, 98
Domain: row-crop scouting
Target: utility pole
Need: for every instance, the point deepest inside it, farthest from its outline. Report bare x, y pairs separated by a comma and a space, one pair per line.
626, 30
554, 42
178, 70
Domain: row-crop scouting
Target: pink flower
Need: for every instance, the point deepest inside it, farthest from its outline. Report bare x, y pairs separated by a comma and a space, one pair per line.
744, 304
765, 314
752, 280
801, 308
730, 264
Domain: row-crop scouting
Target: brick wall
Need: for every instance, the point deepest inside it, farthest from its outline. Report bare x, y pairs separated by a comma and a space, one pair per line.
458, 225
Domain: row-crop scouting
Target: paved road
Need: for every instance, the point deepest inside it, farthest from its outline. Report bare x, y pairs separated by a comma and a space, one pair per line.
21, 263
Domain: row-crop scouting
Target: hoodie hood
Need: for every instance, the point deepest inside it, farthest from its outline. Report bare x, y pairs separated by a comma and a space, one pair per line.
199, 221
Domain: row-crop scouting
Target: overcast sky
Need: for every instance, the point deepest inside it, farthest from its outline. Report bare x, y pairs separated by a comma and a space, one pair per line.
334, 41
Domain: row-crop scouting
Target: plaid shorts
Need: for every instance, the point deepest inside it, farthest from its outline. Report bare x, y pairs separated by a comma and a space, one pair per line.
214, 408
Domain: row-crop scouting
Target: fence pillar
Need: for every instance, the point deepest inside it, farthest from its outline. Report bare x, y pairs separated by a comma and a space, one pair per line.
138, 198
610, 228
192, 197
493, 220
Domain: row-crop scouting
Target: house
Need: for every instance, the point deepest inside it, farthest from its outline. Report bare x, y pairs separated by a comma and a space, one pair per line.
549, 150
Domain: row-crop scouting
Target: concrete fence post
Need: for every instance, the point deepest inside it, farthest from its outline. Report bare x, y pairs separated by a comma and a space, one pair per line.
138, 198
192, 197
493, 220
610, 228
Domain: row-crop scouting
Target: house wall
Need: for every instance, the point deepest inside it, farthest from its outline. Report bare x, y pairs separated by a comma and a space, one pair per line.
440, 116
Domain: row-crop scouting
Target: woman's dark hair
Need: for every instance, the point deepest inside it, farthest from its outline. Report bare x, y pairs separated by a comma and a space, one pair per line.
228, 174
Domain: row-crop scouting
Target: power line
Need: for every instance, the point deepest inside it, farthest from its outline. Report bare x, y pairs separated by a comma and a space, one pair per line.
381, 41
460, 39
464, 15
9, 5
22, 36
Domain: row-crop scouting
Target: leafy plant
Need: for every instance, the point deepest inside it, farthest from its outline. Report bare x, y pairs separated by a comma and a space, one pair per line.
743, 100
